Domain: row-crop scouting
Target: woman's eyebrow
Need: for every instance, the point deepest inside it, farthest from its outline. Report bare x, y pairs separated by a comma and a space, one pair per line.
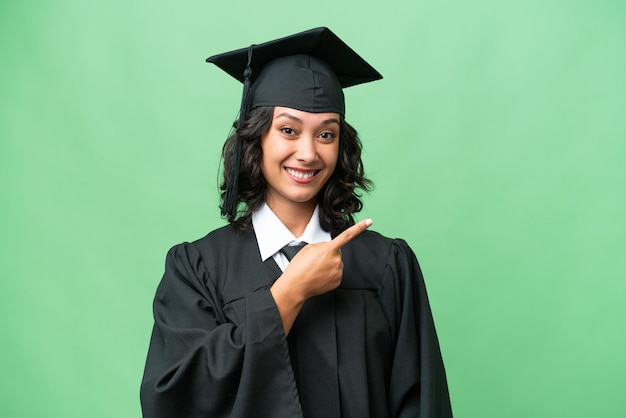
289, 116
330, 121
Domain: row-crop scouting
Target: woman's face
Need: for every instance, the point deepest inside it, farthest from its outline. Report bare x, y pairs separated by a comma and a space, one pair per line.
300, 152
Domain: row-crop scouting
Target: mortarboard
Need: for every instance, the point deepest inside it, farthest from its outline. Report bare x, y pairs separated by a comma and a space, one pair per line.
305, 71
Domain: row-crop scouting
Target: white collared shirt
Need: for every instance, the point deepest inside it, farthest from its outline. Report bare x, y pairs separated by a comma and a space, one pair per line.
272, 234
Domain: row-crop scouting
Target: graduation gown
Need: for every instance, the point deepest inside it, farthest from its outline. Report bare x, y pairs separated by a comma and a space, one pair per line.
366, 349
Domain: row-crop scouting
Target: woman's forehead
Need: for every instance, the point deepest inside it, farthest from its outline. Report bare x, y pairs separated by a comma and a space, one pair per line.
302, 116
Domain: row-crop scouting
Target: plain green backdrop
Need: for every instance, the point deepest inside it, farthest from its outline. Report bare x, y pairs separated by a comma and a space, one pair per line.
496, 140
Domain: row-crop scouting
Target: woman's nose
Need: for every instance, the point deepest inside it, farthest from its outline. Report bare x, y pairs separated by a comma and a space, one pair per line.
306, 149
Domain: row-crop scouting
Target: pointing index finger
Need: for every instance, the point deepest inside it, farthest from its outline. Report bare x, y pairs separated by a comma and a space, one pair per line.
350, 233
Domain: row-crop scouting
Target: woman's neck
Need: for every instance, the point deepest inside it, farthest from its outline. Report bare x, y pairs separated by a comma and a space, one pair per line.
294, 216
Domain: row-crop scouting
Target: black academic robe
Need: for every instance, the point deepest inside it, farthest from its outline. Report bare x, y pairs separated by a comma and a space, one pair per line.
366, 349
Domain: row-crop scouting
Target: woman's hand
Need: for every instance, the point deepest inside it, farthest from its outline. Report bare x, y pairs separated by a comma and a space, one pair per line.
316, 269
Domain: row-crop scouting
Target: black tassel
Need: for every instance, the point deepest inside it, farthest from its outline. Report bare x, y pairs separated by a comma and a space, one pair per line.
232, 188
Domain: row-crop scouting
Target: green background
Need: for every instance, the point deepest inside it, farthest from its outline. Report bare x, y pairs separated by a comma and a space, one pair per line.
496, 141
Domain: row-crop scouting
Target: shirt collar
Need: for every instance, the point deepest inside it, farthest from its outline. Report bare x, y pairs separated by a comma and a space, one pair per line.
272, 234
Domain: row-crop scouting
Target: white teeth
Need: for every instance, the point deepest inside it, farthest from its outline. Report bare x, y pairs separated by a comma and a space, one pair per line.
300, 174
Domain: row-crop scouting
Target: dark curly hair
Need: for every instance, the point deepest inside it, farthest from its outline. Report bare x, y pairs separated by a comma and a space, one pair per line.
339, 198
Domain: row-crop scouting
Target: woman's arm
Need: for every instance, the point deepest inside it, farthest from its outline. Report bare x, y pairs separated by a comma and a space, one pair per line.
199, 365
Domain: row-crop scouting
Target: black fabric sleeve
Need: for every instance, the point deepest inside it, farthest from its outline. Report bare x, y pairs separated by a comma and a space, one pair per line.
200, 365
418, 386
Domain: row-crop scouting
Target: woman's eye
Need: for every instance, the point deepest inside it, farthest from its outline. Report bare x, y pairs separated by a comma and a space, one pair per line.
287, 131
327, 135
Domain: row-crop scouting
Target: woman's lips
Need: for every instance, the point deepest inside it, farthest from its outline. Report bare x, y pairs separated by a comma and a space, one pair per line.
301, 176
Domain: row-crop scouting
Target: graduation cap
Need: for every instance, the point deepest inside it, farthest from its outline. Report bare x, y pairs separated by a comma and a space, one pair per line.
305, 71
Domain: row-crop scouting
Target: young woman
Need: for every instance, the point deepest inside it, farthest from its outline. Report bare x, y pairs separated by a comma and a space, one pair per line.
244, 326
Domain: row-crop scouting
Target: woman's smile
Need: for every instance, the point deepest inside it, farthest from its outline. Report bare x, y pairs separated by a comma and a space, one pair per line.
300, 175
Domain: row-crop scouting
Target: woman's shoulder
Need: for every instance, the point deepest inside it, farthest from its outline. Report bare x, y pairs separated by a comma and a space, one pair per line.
218, 240
218, 233
382, 244
213, 253
223, 242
